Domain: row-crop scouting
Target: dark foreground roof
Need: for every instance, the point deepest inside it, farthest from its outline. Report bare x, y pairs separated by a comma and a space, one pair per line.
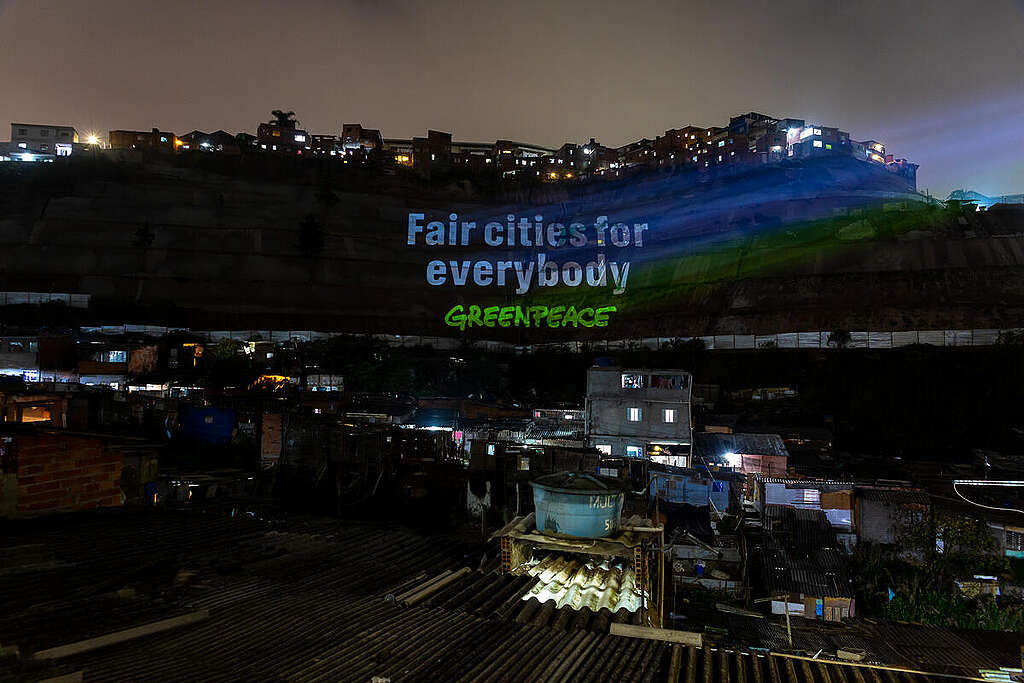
304, 599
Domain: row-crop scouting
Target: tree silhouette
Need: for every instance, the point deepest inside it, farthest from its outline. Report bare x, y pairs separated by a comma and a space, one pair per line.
284, 119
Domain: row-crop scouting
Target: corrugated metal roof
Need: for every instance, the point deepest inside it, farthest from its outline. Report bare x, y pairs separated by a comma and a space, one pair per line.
576, 583
302, 599
715, 445
802, 555
893, 496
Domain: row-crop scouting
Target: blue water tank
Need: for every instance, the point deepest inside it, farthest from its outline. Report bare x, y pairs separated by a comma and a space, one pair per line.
578, 504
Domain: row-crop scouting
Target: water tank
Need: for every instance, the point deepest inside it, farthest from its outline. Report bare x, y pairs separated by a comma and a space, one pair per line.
577, 504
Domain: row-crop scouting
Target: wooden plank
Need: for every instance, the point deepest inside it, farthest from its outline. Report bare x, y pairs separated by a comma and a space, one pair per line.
75, 677
122, 636
648, 633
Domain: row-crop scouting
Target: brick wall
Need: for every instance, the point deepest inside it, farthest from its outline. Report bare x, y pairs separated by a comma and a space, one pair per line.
63, 472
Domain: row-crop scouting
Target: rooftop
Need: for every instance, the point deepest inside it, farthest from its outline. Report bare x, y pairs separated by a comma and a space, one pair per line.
275, 597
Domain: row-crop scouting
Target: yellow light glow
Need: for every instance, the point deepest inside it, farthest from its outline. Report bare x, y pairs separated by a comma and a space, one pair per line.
93, 139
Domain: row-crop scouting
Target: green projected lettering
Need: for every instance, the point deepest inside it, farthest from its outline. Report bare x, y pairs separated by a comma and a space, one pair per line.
527, 316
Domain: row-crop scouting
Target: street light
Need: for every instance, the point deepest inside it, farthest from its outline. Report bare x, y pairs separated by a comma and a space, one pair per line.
93, 139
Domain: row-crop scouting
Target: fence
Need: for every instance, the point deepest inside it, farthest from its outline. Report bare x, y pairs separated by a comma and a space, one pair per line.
35, 298
782, 340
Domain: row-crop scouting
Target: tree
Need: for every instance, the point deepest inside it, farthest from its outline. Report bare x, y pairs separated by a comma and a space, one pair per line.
284, 119
839, 339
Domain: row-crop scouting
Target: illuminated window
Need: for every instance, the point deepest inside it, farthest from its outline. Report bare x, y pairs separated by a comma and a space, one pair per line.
604, 448
669, 414
35, 414
490, 449
634, 414
632, 380
634, 451
817, 131
817, 143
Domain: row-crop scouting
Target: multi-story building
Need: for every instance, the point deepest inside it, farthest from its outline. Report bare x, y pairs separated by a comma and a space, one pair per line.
355, 138
435, 150
283, 134
679, 146
400, 149
46, 139
519, 158
639, 153
323, 144
473, 156
154, 139
812, 140
868, 150
563, 163
218, 141
640, 414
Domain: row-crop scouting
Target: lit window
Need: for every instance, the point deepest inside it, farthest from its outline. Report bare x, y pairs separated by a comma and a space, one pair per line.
35, 414
817, 143
669, 414
490, 449
604, 448
634, 414
817, 131
634, 451
631, 380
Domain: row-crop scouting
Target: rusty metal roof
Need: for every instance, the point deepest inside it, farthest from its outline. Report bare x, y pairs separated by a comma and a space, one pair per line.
303, 599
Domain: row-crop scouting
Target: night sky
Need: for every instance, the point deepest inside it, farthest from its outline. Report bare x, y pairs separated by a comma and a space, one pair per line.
940, 82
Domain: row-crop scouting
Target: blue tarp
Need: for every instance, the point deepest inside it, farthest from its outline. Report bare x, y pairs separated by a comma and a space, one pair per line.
206, 424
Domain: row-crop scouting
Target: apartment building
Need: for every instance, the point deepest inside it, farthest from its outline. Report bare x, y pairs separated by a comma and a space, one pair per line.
640, 413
